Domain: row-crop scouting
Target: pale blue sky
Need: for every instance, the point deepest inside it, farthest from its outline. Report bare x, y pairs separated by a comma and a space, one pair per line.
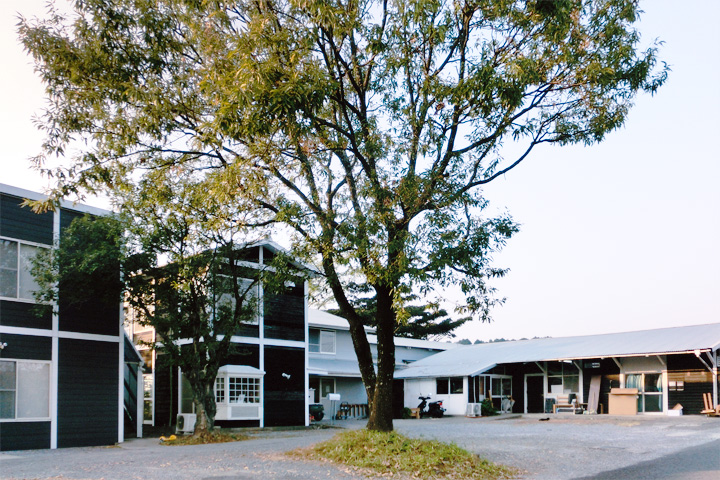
624, 235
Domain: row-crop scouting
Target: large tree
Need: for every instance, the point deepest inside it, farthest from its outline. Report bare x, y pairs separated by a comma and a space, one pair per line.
368, 127
424, 322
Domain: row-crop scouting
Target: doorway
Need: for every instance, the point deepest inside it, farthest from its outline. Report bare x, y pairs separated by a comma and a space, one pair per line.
534, 396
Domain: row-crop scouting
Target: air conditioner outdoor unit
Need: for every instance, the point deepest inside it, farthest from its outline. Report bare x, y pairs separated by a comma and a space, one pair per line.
473, 410
186, 422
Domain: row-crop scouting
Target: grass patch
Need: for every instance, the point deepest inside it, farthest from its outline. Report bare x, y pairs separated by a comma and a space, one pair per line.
209, 437
392, 454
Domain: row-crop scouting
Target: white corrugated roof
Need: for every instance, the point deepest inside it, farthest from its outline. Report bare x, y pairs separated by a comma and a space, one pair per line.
333, 367
475, 359
318, 318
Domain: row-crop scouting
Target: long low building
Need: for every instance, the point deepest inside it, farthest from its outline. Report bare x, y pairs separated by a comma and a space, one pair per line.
661, 368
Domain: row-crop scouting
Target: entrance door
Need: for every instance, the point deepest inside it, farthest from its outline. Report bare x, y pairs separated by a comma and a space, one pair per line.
534, 393
649, 385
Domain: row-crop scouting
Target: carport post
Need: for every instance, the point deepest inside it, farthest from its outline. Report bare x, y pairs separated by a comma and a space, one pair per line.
715, 378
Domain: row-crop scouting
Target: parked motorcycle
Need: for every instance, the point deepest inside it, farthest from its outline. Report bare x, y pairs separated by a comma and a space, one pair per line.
432, 409
317, 411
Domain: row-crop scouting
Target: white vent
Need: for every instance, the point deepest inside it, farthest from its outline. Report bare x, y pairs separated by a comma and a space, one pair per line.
245, 411
186, 422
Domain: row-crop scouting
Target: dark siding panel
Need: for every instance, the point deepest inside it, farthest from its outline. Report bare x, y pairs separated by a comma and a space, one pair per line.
21, 223
241, 354
685, 362
166, 392
19, 314
92, 315
691, 397
26, 347
67, 216
24, 435
284, 398
285, 314
248, 331
237, 423
90, 318
87, 393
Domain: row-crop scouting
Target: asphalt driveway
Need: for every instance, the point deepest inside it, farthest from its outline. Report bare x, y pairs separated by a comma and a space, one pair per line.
563, 447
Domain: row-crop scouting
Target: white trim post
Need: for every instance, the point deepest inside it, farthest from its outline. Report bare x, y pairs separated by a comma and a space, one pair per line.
55, 355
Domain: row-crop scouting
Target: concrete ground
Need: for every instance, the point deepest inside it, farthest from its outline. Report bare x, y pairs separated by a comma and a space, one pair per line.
563, 447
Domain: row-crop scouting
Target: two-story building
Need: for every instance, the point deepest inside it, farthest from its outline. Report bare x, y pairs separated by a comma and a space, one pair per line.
62, 366
265, 379
333, 365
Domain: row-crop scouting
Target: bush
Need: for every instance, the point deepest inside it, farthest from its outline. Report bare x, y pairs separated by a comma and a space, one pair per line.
487, 408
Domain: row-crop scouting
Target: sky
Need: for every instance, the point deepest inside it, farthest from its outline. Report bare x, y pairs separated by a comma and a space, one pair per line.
620, 236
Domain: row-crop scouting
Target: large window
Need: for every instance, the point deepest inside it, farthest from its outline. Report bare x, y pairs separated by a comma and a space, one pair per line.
235, 390
225, 303
16, 281
24, 389
563, 377
446, 386
321, 341
243, 390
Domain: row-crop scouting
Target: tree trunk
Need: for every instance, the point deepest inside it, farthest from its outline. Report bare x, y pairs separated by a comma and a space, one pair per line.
201, 421
381, 415
205, 410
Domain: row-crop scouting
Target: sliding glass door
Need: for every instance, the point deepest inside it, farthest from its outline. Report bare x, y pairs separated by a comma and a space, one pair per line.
649, 385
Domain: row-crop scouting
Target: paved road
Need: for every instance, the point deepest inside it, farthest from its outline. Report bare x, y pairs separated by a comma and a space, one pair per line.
564, 447
578, 446
698, 463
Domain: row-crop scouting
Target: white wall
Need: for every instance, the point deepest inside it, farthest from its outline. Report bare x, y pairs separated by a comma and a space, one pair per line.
454, 404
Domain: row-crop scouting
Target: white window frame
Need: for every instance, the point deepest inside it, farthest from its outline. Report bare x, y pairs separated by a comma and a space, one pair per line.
318, 347
19, 268
15, 418
251, 398
448, 381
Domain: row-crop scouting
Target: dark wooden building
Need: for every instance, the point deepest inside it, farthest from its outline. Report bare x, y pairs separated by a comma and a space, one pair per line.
61, 367
265, 381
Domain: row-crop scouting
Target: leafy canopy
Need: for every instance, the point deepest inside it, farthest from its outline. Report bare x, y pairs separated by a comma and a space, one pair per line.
365, 127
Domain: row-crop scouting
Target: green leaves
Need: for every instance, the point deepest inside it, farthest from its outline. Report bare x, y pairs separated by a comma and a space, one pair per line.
366, 129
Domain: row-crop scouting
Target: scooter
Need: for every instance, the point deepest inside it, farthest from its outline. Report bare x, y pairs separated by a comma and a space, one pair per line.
433, 409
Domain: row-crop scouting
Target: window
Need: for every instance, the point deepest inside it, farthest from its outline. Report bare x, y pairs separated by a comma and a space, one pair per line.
220, 390
16, 281
24, 389
243, 390
563, 377
148, 394
501, 387
321, 341
676, 385
452, 385
225, 303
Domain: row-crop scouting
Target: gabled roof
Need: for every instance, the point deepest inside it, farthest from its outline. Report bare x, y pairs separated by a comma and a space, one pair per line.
476, 359
30, 195
320, 319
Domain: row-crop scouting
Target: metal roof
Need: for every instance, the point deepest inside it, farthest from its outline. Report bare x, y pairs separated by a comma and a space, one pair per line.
319, 318
333, 367
476, 359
